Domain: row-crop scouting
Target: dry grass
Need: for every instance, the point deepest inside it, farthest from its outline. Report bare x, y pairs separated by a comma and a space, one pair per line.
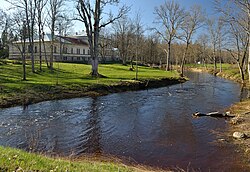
241, 123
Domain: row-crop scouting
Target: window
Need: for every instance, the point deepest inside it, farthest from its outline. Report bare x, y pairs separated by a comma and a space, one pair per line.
83, 51
65, 50
64, 58
78, 58
54, 49
29, 49
78, 51
72, 50
88, 51
35, 49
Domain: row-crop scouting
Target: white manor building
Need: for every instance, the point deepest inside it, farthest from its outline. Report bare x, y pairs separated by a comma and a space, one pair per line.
73, 49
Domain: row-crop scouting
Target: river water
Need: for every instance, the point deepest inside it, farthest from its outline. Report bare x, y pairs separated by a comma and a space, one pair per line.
152, 127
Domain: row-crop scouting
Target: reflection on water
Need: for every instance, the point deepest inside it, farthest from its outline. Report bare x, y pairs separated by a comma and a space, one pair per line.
153, 127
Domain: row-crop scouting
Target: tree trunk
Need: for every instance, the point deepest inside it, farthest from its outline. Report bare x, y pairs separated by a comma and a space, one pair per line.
24, 61
32, 43
96, 39
51, 54
215, 62
52, 45
248, 66
168, 57
29, 34
123, 61
160, 63
248, 34
94, 67
241, 72
94, 55
32, 53
95, 59
220, 62
45, 53
40, 45
183, 60
205, 64
215, 66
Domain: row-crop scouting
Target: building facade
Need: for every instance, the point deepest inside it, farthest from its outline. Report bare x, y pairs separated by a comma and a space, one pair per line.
65, 49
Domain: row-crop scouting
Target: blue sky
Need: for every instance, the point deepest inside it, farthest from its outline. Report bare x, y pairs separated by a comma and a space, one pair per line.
146, 9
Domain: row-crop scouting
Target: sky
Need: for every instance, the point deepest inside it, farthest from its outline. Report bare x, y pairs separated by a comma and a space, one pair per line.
145, 8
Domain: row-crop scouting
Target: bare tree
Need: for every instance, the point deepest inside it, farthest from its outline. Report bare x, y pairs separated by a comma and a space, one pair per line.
4, 27
239, 42
105, 44
171, 16
31, 25
214, 28
2, 18
55, 9
29, 10
138, 38
65, 22
193, 21
203, 41
150, 50
90, 13
237, 11
40, 6
19, 26
123, 33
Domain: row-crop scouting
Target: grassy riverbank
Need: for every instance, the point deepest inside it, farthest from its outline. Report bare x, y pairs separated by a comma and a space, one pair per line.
229, 71
73, 80
18, 160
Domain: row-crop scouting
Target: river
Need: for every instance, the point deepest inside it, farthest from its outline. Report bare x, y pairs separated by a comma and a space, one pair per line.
152, 127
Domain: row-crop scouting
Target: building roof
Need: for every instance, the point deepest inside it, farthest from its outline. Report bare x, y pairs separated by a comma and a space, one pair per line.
77, 39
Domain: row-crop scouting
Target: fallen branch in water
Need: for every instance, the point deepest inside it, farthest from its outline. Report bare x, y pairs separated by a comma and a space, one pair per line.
213, 114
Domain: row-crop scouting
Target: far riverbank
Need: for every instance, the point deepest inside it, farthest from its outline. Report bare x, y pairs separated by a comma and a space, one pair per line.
73, 81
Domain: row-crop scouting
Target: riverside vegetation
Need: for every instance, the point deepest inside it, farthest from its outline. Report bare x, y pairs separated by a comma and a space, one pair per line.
17, 160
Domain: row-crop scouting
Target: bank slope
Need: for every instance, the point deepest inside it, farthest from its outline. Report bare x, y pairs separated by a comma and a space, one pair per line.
17, 160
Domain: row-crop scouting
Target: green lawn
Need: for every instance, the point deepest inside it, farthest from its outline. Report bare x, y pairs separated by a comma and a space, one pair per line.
72, 78
14, 159
68, 74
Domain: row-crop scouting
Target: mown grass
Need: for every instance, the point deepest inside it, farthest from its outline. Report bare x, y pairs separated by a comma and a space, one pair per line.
66, 78
69, 73
17, 160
